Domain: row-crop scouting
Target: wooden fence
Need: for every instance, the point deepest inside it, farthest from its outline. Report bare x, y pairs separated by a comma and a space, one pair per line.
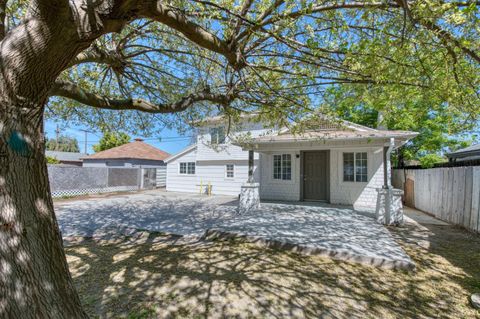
451, 194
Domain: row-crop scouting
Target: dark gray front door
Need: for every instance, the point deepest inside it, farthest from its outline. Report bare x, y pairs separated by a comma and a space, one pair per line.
315, 175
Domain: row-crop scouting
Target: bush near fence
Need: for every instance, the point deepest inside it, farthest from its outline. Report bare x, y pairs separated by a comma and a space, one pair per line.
451, 194
66, 181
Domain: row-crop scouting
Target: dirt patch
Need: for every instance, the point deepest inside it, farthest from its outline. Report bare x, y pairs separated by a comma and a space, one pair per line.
157, 276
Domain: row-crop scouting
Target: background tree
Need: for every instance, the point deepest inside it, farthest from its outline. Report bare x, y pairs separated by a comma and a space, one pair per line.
442, 128
52, 160
62, 144
135, 65
110, 140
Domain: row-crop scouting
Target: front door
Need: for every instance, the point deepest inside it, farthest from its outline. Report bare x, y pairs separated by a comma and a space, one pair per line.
315, 175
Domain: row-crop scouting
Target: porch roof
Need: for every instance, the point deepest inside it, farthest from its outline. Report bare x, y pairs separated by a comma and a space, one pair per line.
322, 135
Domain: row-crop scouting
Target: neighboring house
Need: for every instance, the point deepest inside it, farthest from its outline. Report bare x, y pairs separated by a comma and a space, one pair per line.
338, 162
133, 154
465, 154
67, 158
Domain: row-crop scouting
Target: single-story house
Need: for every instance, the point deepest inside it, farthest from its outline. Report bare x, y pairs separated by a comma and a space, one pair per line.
133, 154
337, 162
465, 154
67, 158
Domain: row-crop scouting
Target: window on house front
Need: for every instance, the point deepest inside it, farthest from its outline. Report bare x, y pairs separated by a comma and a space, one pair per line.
230, 171
355, 167
282, 167
187, 168
217, 135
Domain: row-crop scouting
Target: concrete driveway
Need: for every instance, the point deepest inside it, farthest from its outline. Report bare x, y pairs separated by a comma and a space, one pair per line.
336, 231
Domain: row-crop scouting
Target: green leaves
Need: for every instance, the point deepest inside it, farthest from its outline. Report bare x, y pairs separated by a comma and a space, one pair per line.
110, 140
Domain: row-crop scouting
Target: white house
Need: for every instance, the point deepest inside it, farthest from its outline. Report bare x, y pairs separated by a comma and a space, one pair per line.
213, 160
337, 162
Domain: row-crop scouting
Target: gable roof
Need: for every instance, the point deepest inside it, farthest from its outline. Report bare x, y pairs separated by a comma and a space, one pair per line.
181, 153
66, 156
467, 151
326, 128
133, 150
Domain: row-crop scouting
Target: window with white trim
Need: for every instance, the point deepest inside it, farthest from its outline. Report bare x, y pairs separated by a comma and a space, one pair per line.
229, 171
187, 168
282, 167
355, 167
217, 135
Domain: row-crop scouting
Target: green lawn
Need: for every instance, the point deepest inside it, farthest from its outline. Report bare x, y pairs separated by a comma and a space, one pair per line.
158, 277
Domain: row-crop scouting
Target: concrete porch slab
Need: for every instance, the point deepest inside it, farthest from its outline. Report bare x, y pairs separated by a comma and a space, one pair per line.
329, 230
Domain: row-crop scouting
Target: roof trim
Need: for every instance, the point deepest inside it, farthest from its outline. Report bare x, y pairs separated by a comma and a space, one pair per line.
301, 139
181, 153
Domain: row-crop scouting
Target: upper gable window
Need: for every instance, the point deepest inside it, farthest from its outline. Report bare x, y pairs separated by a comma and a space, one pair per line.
217, 135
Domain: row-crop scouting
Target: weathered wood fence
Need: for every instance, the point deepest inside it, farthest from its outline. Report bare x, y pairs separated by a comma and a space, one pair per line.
451, 194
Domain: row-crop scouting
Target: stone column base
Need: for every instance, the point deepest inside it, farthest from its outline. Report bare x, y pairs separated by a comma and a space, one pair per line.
389, 210
249, 197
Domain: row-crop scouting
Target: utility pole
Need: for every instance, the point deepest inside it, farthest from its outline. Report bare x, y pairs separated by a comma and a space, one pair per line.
86, 138
57, 133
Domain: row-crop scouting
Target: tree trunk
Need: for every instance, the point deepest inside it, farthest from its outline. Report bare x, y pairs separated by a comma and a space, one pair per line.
34, 278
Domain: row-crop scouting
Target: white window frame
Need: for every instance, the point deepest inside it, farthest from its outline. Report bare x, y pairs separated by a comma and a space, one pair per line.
354, 166
226, 171
186, 168
281, 179
211, 136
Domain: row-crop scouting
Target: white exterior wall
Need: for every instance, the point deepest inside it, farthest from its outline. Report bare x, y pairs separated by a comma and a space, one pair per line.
211, 164
227, 151
272, 189
178, 182
213, 172
360, 195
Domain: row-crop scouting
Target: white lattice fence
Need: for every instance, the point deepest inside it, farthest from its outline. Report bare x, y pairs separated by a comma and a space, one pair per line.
88, 191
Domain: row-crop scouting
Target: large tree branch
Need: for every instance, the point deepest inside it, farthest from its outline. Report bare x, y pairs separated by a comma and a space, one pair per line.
72, 91
3, 15
174, 19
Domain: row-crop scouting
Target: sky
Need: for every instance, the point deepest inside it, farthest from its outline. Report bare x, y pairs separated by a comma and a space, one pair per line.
172, 142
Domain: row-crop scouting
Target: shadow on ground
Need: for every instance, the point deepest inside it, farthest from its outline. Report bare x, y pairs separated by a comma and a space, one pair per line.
333, 230
154, 276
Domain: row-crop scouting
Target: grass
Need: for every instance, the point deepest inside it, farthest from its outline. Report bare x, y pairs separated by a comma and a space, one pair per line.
156, 276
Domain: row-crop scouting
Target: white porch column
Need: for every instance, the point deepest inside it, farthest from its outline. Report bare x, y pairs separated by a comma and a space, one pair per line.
250, 191
389, 210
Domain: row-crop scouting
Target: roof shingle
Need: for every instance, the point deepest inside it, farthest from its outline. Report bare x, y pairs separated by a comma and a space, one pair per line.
133, 150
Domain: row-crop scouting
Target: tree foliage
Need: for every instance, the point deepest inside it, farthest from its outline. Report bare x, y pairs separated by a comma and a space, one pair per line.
62, 144
394, 56
110, 140
52, 160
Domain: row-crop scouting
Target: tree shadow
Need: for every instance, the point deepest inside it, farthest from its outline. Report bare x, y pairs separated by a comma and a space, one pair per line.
160, 276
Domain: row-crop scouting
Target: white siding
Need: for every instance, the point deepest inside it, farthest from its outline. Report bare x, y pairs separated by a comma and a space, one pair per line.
271, 189
360, 195
207, 152
213, 173
181, 183
207, 172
